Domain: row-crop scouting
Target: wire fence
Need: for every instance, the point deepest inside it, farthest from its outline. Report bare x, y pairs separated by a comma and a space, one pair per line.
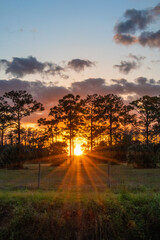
82, 174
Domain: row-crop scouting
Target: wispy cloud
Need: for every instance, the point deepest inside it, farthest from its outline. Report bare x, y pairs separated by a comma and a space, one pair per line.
127, 66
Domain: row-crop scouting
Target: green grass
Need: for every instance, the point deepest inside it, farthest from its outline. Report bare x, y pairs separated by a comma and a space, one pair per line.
74, 202
42, 216
80, 177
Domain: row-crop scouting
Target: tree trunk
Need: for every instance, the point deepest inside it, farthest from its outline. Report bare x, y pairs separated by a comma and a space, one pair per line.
91, 131
147, 135
70, 139
19, 130
2, 136
39, 174
73, 148
147, 131
110, 130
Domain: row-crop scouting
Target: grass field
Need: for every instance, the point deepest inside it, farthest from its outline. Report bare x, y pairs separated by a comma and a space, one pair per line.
83, 175
75, 203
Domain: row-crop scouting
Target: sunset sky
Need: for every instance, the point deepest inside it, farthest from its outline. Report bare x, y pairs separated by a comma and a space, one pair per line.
54, 47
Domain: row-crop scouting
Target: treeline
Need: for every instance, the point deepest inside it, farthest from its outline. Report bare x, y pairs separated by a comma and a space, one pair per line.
97, 120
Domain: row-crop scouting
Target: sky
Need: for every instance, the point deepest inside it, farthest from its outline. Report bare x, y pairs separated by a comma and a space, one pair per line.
53, 47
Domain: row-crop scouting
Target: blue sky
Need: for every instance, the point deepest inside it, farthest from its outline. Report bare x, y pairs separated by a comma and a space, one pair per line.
58, 31
63, 29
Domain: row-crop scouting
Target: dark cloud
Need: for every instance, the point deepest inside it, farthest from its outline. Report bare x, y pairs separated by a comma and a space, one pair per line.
89, 86
127, 66
139, 87
138, 20
19, 67
46, 94
135, 20
151, 39
50, 94
125, 39
79, 64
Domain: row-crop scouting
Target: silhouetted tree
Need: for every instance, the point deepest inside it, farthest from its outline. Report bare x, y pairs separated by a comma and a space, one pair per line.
22, 105
69, 108
156, 127
146, 118
90, 111
6, 117
113, 113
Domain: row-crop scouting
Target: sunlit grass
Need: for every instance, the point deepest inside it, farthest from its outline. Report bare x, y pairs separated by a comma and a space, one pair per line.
83, 175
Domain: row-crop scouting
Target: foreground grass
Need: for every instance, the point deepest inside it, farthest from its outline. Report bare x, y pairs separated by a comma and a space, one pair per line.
46, 216
74, 202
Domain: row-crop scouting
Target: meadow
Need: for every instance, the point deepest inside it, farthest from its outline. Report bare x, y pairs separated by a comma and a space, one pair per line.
75, 202
83, 175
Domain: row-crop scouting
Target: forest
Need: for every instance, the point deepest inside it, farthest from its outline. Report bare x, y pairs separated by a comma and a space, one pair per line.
119, 131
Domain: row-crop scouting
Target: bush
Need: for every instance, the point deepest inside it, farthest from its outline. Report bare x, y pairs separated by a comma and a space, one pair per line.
58, 148
142, 155
116, 152
13, 156
127, 217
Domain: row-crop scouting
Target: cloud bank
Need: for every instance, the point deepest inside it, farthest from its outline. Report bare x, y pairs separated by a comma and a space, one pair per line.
50, 94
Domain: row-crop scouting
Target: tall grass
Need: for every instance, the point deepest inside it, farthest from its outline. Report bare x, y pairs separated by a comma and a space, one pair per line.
123, 216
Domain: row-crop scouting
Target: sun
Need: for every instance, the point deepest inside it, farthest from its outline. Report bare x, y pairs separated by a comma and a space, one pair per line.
77, 150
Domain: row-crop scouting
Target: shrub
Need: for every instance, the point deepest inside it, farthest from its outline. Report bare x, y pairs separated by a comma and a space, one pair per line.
13, 156
116, 152
142, 155
58, 148
132, 217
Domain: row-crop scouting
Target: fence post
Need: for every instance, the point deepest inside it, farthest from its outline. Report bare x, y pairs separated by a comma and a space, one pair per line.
109, 180
39, 174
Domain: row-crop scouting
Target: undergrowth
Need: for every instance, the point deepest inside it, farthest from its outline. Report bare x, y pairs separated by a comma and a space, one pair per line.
123, 216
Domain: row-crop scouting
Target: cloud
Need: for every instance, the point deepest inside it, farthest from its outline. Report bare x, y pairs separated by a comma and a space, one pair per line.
50, 94
79, 64
19, 67
156, 61
138, 20
88, 86
47, 94
138, 58
139, 87
151, 39
125, 39
127, 66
